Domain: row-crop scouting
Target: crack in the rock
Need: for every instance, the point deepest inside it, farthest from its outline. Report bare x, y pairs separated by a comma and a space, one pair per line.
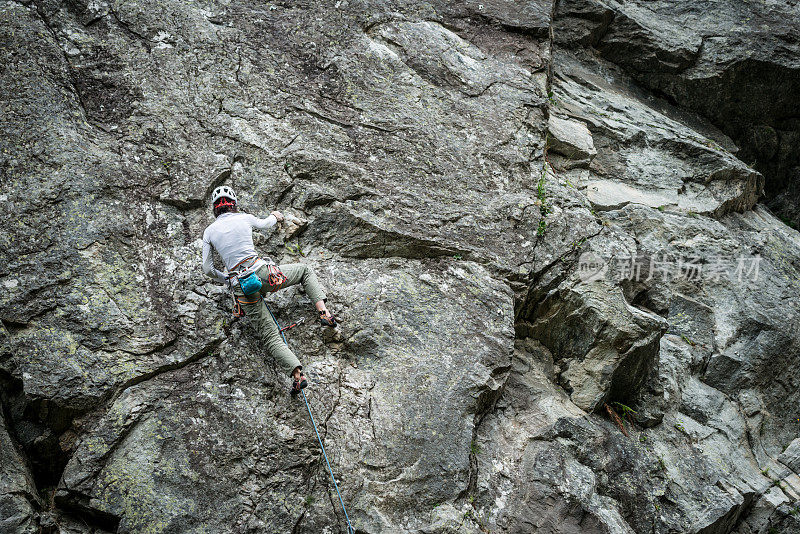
206, 350
219, 133
550, 40
491, 398
334, 504
324, 424
347, 125
70, 69
147, 43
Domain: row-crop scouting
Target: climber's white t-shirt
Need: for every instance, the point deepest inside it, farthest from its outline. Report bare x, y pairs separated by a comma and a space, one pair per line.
231, 235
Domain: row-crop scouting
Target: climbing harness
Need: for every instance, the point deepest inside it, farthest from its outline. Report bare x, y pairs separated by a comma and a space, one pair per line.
244, 274
350, 529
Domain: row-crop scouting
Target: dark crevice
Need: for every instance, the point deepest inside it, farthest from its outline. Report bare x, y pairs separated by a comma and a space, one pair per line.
525, 307
13, 327
485, 404
550, 47
9, 388
39, 425
77, 505
36, 426
296, 528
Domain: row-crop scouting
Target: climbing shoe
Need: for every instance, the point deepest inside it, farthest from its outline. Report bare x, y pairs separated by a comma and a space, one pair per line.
298, 384
327, 319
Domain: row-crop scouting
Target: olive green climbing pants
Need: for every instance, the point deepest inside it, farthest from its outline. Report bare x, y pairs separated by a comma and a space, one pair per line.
256, 309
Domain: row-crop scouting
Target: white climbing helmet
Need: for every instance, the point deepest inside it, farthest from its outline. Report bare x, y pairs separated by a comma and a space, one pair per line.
222, 191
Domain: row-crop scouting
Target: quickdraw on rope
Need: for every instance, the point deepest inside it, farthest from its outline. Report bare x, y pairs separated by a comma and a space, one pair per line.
237, 310
350, 529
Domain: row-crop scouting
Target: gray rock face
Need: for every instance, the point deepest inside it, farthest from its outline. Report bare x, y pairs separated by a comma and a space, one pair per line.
167, 454
605, 347
564, 308
733, 62
791, 456
570, 139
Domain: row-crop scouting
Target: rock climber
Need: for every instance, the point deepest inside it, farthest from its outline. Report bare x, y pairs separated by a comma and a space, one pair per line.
251, 277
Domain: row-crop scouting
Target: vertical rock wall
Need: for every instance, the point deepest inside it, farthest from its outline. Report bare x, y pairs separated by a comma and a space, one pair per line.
457, 163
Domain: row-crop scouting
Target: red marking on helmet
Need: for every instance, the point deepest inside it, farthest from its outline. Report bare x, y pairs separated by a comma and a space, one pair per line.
224, 201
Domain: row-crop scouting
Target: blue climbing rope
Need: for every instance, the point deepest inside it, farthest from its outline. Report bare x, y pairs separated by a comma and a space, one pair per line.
350, 529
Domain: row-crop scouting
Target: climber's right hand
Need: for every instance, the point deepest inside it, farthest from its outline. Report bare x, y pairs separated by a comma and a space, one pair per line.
278, 216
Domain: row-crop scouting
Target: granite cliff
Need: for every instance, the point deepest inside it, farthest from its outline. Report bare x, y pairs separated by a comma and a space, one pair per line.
562, 237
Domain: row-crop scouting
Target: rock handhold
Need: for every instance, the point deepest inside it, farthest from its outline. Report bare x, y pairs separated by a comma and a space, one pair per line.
570, 138
791, 456
293, 226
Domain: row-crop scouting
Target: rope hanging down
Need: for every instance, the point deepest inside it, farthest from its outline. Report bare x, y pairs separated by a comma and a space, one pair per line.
350, 529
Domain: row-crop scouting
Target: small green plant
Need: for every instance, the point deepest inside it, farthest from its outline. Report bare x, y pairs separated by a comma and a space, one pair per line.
309, 500
542, 227
687, 340
765, 471
456, 257
679, 426
625, 410
294, 249
642, 438
578, 243
474, 448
